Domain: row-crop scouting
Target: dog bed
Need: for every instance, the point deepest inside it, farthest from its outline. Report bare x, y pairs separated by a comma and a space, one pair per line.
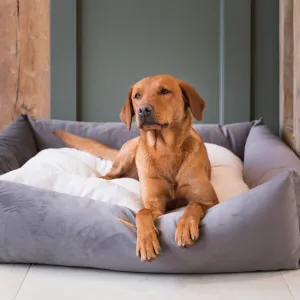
251, 231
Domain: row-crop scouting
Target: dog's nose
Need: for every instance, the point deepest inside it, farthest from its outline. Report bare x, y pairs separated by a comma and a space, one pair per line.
145, 110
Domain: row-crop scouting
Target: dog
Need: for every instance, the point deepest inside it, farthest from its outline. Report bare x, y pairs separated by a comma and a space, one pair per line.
168, 158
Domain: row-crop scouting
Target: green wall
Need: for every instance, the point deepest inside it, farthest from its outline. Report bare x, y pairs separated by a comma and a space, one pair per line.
227, 49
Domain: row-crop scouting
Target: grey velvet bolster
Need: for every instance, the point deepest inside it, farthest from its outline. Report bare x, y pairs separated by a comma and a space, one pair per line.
255, 231
232, 136
266, 156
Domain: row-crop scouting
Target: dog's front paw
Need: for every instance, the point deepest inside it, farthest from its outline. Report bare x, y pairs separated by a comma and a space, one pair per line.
187, 231
147, 246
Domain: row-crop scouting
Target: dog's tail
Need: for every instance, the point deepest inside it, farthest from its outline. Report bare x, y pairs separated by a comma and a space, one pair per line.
84, 144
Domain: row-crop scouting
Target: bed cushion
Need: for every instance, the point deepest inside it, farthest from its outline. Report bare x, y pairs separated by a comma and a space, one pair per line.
227, 172
255, 231
75, 173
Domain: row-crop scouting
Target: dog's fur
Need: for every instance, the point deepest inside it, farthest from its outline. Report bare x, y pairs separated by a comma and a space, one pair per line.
168, 158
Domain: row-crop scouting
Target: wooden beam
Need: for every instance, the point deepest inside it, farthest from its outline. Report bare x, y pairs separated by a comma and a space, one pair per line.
8, 59
296, 81
24, 59
286, 70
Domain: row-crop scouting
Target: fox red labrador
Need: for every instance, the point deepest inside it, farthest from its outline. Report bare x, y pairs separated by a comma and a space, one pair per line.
168, 158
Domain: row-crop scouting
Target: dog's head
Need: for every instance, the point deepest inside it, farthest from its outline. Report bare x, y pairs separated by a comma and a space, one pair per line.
160, 101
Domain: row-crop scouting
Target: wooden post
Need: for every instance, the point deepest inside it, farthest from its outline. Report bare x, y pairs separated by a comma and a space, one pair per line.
296, 71
286, 71
24, 59
290, 73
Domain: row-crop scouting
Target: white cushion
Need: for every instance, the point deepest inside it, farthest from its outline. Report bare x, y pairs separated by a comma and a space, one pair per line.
75, 172
227, 172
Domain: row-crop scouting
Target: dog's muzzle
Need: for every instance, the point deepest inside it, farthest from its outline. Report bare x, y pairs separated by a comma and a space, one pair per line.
147, 119
146, 115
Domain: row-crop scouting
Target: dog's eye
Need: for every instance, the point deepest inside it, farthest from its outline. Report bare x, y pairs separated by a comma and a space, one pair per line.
137, 96
164, 91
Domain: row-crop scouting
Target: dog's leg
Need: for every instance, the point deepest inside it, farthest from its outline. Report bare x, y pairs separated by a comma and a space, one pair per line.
123, 159
124, 164
201, 196
154, 197
147, 245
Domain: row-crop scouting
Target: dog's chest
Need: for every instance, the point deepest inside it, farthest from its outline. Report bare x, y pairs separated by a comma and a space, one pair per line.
164, 166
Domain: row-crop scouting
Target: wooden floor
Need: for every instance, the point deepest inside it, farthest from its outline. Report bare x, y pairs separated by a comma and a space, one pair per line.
25, 282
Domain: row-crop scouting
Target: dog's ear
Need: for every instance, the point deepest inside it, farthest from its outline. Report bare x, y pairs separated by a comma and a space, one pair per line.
127, 111
193, 100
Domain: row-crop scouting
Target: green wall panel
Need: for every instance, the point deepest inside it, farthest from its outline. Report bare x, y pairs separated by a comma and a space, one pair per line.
265, 54
236, 60
63, 58
124, 41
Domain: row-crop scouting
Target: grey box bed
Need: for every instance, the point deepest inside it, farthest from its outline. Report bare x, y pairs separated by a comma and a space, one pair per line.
255, 231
